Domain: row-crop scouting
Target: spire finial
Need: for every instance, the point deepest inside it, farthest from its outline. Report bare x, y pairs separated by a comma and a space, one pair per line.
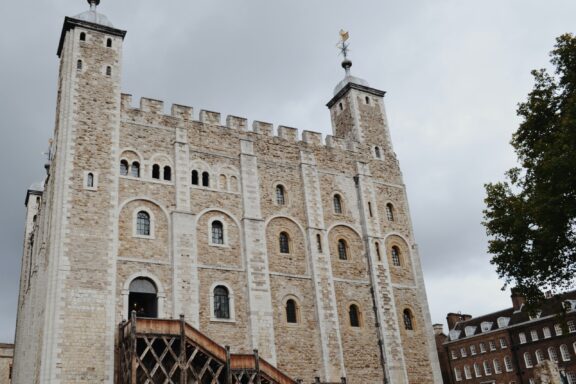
344, 49
93, 4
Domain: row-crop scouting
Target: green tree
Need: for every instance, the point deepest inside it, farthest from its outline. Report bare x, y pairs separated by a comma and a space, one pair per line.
531, 216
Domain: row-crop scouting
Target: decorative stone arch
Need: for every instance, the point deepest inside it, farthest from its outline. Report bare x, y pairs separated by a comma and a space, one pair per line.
201, 166
289, 218
413, 319
404, 245
231, 302
345, 224
347, 239
347, 309
130, 156
295, 261
298, 308
135, 213
221, 215
160, 294
145, 198
124, 151
394, 211
162, 159
231, 174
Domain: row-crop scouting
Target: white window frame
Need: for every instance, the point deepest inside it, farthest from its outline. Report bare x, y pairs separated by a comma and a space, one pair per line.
457, 374
477, 370
487, 368
558, 329
225, 242
571, 326
492, 345
482, 347
473, 349
467, 372
553, 354
508, 364
534, 335
503, 343
469, 330
497, 366
528, 360
453, 354
503, 322
231, 303
463, 352
486, 326
522, 337
546, 332
152, 235
539, 356
565, 352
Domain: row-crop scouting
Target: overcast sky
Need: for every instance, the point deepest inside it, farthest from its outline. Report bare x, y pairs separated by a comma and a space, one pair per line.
454, 71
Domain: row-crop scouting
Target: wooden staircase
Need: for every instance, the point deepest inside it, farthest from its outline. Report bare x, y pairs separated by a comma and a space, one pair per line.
160, 351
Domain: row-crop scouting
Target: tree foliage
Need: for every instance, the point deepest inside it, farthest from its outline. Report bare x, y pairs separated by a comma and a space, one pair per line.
531, 216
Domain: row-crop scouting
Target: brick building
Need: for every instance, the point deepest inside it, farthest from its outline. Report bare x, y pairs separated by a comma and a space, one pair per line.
507, 346
263, 239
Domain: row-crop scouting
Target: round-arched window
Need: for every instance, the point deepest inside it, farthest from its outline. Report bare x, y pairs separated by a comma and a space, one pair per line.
143, 298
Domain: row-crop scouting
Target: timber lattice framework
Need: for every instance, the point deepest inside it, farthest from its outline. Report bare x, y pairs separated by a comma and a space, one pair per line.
163, 351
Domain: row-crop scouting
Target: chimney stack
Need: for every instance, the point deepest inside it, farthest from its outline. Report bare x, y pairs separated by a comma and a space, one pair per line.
438, 329
517, 299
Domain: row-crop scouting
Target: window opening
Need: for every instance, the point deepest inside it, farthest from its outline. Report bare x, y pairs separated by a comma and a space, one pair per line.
291, 311
89, 182
217, 232
319, 243
156, 172
194, 177
354, 316
205, 179
377, 152
82, 36
395, 253
390, 212
367, 100
280, 195
143, 224
108, 71
221, 303
340, 105
378, 251
123, 168
143, 298
408, 323
370, 208
109, 43
284, 243
342, 250
135, 169
79, 65
167, 173
565, 352
337, 204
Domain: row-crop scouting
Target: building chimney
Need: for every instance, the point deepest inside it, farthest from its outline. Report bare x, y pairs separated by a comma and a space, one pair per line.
438, 329
466, 317
517, 299
452, 319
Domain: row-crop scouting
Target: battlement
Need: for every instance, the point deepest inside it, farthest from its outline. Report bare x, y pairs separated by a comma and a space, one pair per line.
152, 108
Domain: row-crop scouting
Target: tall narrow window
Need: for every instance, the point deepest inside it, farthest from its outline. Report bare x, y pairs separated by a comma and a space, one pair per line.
390, 212
539, 356
377, 152
143, 223
143, 298
90, 180
194, 177
221, 302
564, 352
217, 232
370, 208
109, 43
205, 179
377, 245
395, 253
552, 354
108, 71
508, 364
135, 169
342, 250
337, 204
367, 100
291, 311
497, 366
527, 360
284, 243
354, 314
167, 173
123, 168
79, 65
487, 368
82, 36
280, 195
408, 320
156, 171
477, 371
319, 243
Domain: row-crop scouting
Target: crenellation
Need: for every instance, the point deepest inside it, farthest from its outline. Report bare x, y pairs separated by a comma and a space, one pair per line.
288, 133
182, 112
152, 105
312, 138
263, 128
235, 122
125, 101
209, 117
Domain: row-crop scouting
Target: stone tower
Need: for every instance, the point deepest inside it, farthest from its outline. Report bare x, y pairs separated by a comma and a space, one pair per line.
299, 247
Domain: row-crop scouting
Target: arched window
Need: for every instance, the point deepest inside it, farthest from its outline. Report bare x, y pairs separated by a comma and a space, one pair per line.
395, 253
156, 172
79, 65
508, 364
167, 173
109, 43
487, 368
354, 314
552, 354
82, 36
337, 204
497, 366
205, 179
108, 71
539, 356
377, 152
319, 243
234, 183
377, 246
223, 182
291, 311
367, 100
217, 232
280, 195
143, 298
408, 320
477, 371
390, 212
143, 223
135, 169
89, 181
284, 242
123, 168
221, 302
342, 250
194, 177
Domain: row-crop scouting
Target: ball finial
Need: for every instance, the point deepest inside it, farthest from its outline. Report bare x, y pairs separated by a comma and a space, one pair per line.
94, 2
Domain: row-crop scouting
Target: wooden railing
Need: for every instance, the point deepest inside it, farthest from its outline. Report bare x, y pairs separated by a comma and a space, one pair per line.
171, 351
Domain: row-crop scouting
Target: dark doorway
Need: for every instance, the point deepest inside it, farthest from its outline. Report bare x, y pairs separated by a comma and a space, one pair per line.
143, 298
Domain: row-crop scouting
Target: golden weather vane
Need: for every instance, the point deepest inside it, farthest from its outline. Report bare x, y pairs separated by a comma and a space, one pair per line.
343, 46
